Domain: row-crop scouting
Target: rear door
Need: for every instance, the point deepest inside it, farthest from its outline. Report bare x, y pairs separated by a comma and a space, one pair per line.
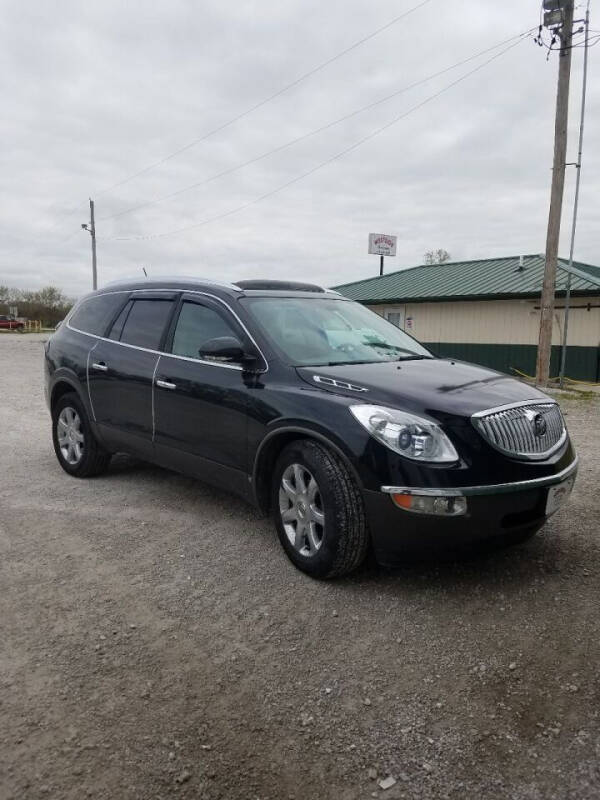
200, 407
121, 370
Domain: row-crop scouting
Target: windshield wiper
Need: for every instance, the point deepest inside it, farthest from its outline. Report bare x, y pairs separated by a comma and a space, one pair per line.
414, 358
386, 346
339, 363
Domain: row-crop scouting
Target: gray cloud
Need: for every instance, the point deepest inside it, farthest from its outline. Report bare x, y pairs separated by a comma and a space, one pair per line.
95, 92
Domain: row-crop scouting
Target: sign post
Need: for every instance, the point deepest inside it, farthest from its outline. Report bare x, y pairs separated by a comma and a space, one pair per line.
380, 244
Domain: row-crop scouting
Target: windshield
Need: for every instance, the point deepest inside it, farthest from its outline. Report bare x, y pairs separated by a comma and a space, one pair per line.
325, 331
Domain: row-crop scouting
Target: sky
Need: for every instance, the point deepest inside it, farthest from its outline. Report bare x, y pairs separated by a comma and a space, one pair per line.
94, 93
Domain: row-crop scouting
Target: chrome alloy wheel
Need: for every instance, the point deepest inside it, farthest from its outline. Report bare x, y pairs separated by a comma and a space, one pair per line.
301, 509
70, 435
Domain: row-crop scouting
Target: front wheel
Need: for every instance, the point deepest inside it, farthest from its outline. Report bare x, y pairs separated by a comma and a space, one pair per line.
319, 511
78, 451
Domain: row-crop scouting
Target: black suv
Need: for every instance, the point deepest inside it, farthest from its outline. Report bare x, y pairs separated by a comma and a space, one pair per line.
343, 427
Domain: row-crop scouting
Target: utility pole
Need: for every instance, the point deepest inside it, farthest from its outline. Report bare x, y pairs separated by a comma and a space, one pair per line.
381, 265
563, 353
91, 227
556, 192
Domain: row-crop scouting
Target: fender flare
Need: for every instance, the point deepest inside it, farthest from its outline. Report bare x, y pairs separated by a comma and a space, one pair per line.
301, 430
64, 375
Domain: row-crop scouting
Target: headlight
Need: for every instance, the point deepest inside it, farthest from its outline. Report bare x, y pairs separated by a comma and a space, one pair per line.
404, 433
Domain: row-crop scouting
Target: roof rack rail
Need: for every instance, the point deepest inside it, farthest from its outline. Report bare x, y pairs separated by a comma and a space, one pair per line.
174, 279
283, 286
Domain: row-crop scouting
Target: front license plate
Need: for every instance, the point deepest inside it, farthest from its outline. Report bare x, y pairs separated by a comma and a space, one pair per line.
557, 495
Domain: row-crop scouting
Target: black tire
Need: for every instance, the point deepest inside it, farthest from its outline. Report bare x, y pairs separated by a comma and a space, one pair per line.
344, 534
94, 458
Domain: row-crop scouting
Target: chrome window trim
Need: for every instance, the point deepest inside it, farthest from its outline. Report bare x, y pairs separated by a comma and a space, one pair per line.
172, 355
547, 401
498, 488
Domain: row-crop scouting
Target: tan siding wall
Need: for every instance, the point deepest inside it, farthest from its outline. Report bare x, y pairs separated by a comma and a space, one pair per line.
496, 321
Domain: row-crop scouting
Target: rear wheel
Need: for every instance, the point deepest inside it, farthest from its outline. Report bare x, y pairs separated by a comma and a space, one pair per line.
318, 510
78, 451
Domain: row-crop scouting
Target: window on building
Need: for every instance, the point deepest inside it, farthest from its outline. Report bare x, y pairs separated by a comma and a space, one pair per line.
396, 318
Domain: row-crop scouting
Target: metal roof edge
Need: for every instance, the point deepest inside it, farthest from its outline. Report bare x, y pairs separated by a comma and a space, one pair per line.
580, 273
472, 297
444, 264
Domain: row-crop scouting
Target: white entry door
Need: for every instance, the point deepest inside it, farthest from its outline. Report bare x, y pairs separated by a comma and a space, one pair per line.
396, 317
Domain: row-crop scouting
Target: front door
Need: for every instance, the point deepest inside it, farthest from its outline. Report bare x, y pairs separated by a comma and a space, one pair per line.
200, 406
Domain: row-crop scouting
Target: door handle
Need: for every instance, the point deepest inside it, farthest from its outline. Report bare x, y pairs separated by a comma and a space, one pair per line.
166, 384
100, 365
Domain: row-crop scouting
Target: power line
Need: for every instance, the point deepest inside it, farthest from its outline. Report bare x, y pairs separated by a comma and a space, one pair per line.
305, 136
311, 171
264, 101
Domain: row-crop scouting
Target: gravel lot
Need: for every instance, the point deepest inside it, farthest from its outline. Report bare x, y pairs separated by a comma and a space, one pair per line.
156, 642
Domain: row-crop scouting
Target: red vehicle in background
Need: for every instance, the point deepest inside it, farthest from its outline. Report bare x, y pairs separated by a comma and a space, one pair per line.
11, 324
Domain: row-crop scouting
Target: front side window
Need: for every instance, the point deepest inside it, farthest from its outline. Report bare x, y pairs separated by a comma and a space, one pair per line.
146, 322
327, 331
95, 313
196, 325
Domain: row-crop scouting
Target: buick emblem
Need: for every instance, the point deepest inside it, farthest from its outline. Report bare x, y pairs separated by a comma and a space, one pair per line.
537, 421
539, 425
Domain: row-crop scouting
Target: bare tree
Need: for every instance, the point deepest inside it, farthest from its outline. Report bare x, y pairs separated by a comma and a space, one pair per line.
439, 256
49, 304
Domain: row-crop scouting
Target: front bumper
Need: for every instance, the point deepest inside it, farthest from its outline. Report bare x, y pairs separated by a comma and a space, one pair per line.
496, 511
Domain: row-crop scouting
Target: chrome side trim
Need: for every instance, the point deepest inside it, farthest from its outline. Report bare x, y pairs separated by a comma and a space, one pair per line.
153, 390
87, 378
498, 488
172, 355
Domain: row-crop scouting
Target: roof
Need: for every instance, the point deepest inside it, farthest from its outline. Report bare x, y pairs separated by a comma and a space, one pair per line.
492, 278
250, 288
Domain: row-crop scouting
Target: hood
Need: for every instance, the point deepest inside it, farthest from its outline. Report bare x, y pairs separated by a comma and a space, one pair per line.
430, 385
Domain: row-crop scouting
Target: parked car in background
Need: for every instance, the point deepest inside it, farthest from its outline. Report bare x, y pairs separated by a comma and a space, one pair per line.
344, 428
11, 324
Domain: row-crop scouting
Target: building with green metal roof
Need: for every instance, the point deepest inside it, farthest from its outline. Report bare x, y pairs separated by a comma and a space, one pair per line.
487, 311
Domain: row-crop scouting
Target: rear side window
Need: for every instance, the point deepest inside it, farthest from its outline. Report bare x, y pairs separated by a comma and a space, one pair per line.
94, 314
146, 322
196, 325
117, 328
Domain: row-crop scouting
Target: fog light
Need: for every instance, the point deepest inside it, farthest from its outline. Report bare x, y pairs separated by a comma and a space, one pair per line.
450, 506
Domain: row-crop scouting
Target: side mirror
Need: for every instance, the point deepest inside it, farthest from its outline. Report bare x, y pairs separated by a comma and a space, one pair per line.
224, 348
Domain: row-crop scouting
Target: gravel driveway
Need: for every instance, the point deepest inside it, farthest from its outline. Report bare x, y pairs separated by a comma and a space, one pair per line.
156, 642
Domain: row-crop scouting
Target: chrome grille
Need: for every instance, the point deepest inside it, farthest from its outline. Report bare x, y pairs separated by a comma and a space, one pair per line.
525, 430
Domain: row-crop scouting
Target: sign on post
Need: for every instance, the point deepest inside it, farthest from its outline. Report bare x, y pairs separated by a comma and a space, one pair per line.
380, 244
